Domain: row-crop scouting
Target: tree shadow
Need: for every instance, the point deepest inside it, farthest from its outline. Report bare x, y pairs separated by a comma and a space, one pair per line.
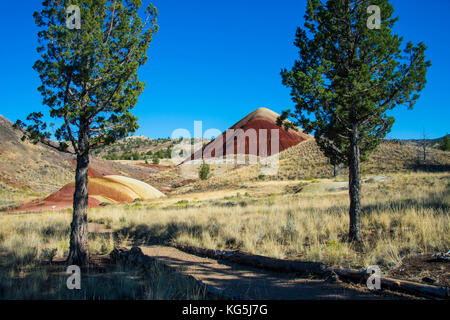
430, 167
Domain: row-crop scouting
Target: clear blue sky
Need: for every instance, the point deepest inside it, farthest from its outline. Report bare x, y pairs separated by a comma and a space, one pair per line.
217, 60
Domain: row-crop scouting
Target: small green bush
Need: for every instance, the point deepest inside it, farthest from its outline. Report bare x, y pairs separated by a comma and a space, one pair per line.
204, 171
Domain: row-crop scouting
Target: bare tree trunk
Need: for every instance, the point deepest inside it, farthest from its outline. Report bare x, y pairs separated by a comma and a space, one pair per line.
424, 146
354, 186
79, 249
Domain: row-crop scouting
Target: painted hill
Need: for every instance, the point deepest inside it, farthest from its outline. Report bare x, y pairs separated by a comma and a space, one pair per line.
261, 118
109, 189
29, 171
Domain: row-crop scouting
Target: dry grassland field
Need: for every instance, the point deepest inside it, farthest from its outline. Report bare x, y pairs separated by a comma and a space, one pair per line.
405, 214
239, 152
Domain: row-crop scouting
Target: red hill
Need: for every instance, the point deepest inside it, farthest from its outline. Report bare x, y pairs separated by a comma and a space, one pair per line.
261, 118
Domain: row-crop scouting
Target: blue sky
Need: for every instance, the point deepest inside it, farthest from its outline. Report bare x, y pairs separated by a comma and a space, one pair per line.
217, 60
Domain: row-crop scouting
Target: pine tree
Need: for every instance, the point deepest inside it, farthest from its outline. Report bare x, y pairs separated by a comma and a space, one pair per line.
89, 81
445, 144
346, 78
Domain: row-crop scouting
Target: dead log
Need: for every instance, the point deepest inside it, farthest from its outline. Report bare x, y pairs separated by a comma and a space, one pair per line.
424, 290
318, 268
278, 265
418, 289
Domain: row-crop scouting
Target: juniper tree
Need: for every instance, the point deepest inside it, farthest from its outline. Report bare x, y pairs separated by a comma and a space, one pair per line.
445, 143
90, 82
346, 79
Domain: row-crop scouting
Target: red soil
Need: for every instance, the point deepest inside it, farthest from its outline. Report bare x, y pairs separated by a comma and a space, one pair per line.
63, 199
60, 200
287, 139
96, 169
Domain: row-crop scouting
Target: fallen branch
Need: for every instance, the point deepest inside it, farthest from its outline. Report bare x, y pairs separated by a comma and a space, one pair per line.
423, 290
302, 267
318, 268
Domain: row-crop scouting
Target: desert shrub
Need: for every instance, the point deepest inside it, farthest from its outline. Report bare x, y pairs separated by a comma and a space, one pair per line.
136, 156
204, 171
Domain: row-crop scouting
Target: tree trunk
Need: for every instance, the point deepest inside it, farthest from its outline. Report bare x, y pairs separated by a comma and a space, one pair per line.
79, 249
354, 186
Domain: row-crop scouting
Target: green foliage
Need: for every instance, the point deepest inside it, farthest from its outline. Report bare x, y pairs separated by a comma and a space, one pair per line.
89, 80
445, 144
155, 159
89, 76
136, 156
348, 76
168, 153
204, 171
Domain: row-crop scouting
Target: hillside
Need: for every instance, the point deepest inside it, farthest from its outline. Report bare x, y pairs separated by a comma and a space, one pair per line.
136, 148
30, 171
305, 161
252, 124
29, 167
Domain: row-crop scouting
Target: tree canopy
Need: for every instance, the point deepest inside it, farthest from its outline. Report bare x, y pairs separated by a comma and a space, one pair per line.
350, 75
351, 71
90, 74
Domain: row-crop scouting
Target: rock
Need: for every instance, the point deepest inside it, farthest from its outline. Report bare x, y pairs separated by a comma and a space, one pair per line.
332, 278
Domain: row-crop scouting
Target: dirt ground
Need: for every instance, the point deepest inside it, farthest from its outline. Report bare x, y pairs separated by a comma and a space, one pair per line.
424, 268
250, 283
243, 282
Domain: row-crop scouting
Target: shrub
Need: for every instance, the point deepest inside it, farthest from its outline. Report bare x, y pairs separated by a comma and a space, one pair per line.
136, 156
204, 171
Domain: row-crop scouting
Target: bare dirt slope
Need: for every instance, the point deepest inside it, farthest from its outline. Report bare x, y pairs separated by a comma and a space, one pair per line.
26, 166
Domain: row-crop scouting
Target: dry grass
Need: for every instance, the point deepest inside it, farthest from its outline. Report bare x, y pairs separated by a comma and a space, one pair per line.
408, 214
11, 197
405, 215
28, 243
